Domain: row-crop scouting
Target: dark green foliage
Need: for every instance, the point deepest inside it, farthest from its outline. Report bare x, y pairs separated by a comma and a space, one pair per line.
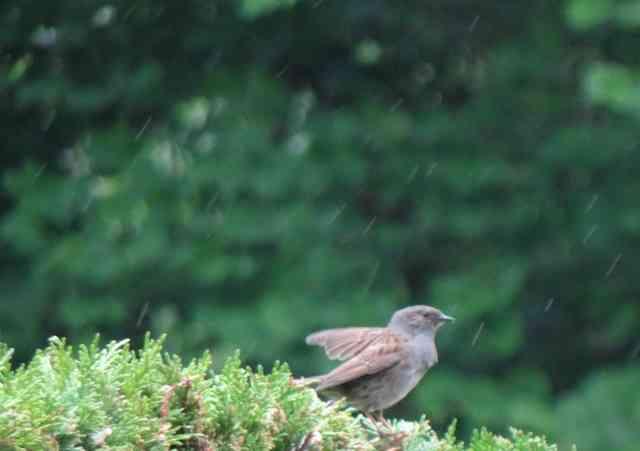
612, 74
238, 174
602, 401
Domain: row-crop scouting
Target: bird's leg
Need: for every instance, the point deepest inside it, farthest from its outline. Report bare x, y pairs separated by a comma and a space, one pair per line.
371, 417
375, 422
383, 420
378, 425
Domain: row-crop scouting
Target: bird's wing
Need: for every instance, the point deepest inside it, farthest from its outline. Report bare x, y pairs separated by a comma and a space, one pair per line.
385, 351
343, 344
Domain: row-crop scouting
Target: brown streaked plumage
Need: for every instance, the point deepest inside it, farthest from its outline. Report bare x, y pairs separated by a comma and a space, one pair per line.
382, 364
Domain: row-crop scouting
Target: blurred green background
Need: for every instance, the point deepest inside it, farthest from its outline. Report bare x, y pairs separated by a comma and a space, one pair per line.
238, 174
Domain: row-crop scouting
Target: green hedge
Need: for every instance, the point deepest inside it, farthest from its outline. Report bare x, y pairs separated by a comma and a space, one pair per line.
113, 397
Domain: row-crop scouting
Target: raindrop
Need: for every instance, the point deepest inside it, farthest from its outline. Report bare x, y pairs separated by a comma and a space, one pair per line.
396, 105
593, 201
413, 173
613, 266
372, 277
282, 71
337, 213
40, 171
589, 233
368, 227
473, 24
143, 313
549, 304
477, 335
144, 127
431, 168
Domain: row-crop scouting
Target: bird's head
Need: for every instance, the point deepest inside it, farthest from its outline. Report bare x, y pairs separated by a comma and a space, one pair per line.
418, 319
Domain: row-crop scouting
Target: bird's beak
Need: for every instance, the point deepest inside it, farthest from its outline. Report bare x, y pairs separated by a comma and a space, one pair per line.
444, 317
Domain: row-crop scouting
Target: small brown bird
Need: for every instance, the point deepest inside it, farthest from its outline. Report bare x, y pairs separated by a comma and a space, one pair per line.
383, 364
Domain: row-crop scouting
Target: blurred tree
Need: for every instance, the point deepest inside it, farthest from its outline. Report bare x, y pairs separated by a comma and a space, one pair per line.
603, 413
238, 174
612, 76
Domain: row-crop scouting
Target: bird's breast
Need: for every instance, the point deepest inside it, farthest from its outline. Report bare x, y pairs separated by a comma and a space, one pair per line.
424, 351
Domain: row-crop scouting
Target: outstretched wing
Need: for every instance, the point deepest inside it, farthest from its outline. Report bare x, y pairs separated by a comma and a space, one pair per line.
384, 352
344, 343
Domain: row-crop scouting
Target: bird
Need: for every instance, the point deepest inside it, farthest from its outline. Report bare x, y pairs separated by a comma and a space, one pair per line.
381, 364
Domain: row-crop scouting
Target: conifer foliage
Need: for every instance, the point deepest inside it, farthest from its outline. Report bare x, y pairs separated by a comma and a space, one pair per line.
115, 398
